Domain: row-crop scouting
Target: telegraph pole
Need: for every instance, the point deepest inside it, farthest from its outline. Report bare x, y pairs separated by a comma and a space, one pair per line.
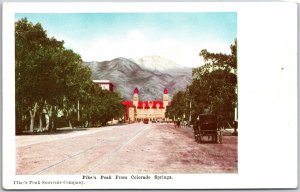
190, 118
78, 113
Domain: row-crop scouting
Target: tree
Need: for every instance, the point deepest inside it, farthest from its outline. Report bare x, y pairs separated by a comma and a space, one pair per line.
179, 108
48, 76
102, 106
29, 52
214, 86
52, 79
215, 83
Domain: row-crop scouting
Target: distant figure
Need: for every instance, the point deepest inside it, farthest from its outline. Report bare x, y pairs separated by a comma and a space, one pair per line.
178, 123
185, 124
207, 110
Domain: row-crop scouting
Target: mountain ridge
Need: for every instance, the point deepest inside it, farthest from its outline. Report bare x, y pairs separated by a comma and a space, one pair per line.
126, 74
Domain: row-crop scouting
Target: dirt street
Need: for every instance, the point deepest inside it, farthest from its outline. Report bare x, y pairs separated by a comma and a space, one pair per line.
132, 148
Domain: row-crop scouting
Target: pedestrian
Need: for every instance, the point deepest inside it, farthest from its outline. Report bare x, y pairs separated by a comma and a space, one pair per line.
206, 110
178, 123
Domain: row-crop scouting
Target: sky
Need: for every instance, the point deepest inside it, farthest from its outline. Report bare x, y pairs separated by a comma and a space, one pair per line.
175, 36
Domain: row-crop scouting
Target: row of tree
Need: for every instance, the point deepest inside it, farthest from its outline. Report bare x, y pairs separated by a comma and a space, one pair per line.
51, 83
214, 89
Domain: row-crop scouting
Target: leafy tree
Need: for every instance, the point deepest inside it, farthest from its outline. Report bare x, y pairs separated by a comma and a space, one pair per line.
179, 108
29, 52
214, 86
102, 106
52, 79
215, 83
48, 76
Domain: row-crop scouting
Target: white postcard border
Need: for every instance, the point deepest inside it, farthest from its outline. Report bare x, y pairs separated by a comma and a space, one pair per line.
267, 83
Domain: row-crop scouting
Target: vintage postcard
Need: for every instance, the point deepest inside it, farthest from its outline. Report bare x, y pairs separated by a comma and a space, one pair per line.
149, 95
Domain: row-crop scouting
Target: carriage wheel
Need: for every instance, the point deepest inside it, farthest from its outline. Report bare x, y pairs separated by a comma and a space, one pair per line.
200, 137
196, 134
215, 138
220, 137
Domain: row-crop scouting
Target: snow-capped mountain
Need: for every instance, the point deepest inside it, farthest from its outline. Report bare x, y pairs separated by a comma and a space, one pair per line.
126, 74
156, 63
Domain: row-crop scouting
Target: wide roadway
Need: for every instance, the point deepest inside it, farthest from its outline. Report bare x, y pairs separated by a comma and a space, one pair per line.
132, 148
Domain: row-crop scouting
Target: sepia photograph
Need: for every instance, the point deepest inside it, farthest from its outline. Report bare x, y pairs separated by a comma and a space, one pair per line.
142, 96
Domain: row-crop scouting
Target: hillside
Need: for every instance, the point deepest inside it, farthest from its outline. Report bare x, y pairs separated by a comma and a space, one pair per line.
126, 74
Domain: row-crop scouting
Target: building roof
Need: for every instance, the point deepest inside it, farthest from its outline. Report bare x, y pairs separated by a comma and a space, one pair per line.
166, 91
127, 103
136, 91
144, 104
101, 81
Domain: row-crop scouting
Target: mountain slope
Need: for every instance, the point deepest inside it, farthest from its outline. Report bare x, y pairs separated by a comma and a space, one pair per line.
125, 74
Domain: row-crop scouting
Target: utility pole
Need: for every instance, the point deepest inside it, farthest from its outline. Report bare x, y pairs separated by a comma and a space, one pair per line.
78, 113
190, 118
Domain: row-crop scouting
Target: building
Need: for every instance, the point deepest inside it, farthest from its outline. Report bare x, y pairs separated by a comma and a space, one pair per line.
105, 84
136, 110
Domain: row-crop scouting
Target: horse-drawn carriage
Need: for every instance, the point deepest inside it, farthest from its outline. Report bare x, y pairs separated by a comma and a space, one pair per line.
207, 125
